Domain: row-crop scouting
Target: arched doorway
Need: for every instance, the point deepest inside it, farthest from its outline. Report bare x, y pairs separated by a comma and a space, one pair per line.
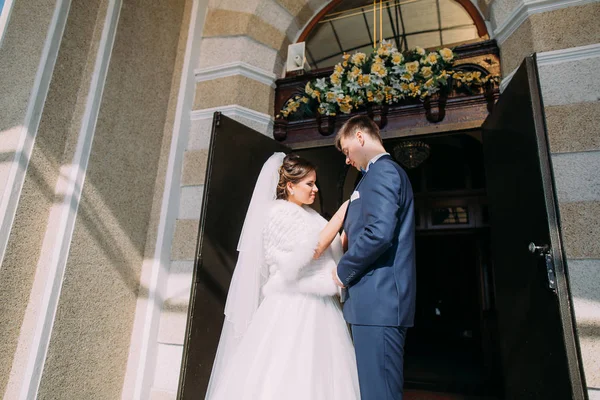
348, 26
475, 297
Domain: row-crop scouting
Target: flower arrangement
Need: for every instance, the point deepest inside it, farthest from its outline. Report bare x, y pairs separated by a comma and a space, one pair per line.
386, 76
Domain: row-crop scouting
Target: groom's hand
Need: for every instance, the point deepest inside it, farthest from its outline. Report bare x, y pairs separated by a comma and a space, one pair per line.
335, 278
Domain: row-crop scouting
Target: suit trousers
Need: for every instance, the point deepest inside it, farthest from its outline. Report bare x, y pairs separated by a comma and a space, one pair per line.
380, 359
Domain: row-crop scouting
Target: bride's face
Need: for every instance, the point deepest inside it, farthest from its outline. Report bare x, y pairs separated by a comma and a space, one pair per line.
305, 191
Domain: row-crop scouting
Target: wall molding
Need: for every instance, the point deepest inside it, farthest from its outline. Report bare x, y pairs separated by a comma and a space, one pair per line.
9, 199
236, 68
234, 111
525, 10
57, 240
572, 54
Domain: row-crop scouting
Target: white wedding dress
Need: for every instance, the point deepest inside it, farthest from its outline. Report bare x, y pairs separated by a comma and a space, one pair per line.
297, 345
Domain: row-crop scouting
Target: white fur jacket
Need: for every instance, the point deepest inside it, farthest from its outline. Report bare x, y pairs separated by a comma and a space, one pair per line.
290, 239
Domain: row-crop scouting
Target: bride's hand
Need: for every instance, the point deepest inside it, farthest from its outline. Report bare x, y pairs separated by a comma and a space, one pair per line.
343, 208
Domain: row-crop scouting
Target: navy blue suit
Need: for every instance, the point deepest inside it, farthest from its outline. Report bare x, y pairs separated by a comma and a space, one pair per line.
379, 272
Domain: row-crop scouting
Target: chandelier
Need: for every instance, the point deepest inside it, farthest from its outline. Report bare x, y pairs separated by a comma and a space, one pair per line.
411, 153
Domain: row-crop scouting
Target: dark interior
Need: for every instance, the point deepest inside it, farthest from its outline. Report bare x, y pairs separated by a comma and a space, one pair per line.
453, 346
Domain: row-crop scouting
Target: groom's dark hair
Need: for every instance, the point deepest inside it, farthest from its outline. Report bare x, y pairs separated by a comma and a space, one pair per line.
357, 123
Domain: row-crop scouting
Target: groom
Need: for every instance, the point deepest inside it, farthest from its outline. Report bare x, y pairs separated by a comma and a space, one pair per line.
378, 269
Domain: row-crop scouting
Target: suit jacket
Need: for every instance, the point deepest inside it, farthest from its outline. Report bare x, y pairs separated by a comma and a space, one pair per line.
379, 267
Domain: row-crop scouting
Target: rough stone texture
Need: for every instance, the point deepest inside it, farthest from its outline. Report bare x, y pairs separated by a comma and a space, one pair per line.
194, 167
500, 11
580, 228
569, 82
585, 287
190, 202
577, 176
573, 127
199, 135
20, 57
236, 89
567, 27
518, 46
554, 30
278, 17
234, 23
294, 7
92, 329
184, 240
239, 48
140, 322
62, 107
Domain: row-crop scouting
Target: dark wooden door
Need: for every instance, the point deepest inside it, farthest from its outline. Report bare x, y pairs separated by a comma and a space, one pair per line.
235, 158
539, 349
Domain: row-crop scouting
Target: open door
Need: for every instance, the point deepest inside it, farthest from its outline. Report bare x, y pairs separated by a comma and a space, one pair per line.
539, 349
236, 156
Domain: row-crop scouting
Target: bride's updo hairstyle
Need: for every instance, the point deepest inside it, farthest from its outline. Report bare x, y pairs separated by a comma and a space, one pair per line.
293, 169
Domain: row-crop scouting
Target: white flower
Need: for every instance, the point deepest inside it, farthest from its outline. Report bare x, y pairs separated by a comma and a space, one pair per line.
321, 84
353, 86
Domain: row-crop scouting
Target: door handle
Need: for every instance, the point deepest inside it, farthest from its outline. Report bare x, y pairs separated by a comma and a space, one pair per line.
544, 251
539, 250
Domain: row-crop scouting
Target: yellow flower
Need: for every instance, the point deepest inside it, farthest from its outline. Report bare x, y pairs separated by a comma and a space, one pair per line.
412, 67
358, 58
346, 56
354, 73
366, 79
330, 97
426, 72
404, 87
383, 51
335, 79
414, 89
429, 84
379, 70
316, 95
397, 58
308, 89
432, 58
446, 54
345, 108
370, 96
420, 51
338, 69
379, 97
444, 74
407, 76
304, 99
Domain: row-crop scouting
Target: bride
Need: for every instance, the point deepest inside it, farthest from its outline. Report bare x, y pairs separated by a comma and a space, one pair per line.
284, 335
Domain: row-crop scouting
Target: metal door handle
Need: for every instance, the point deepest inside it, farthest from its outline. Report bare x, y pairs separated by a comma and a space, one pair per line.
539, 250
544, 251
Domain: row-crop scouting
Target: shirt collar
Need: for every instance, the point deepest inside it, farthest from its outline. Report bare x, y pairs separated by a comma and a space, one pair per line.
377, 157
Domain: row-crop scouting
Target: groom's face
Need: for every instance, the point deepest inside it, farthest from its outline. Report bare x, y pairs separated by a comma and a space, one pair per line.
352, 147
